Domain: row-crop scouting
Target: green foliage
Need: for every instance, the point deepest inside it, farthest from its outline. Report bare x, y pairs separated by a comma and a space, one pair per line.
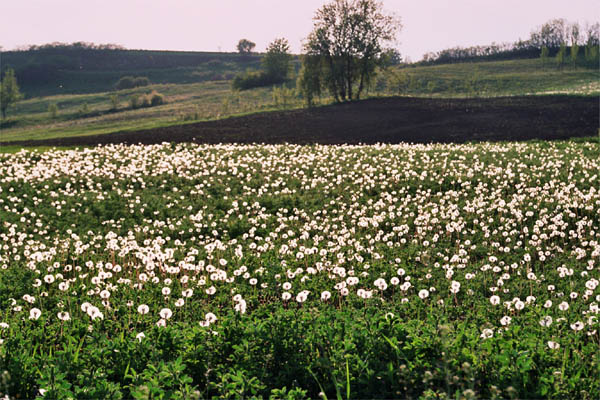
277, 60
177, 205
52, 110
592, 55
245, 46
560, 56
114, 102
574, 53
156, 99
253, 79
84, 109
309, 82
282, 96
134, 101
348, 36
130, 82
544, 55
9, 91
151, 99
276, 66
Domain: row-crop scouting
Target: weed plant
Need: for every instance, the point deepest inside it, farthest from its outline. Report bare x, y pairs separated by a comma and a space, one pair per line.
404, 271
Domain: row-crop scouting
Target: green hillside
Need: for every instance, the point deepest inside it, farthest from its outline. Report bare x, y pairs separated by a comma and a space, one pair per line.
193, 94
75, 70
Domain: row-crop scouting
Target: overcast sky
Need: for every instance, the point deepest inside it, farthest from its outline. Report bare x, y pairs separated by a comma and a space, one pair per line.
217, 25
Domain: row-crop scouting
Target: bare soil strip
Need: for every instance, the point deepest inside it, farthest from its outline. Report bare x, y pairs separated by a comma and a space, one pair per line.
384, 120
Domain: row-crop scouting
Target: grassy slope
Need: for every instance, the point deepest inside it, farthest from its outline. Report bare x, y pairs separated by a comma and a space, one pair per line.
500, 78
214, 99
81, 72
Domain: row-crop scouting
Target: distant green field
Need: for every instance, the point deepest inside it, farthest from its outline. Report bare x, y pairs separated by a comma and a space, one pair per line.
498, 78
88, 114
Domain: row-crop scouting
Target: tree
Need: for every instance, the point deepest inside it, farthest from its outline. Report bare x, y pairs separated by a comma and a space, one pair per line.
574, 53
245, 46
544, 55
560, 56
391, 57
9, 91
348, 37
277, 61
309, 79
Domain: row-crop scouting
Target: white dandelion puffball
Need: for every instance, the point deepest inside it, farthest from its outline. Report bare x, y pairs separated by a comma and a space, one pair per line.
34, 313
553, 345
486, 333
64, 316
166, 313
423, 294
241, 307
143, 309
210, 318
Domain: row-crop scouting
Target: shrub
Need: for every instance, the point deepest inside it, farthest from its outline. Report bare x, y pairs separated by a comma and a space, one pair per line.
129, 82
84, 109
156, 99
254, 79
53, 110
126, 82
282, 96
141, 81
114, 101
134, 101
147, 100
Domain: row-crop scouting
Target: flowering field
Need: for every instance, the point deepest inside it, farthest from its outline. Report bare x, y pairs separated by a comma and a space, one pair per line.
386, 271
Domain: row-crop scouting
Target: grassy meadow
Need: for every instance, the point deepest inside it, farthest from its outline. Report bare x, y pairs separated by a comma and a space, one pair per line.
385, 271
93, 113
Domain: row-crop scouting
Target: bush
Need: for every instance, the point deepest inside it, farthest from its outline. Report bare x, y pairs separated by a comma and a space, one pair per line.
134, 101
151, 99
254, 79
84, 109
141, 81
156, 99
126, 82
53, 110
282, 96
129, 82
114, 101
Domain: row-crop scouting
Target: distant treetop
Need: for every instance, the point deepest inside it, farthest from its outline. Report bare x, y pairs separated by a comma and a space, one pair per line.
245, 46
70, 46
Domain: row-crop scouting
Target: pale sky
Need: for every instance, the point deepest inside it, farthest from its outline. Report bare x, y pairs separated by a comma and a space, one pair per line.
217, 25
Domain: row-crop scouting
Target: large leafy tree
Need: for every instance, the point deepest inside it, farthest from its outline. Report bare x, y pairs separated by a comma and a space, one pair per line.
348, 38
9, 91
277, 60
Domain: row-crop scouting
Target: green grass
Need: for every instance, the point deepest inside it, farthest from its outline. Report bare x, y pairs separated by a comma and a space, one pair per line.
498, 78
474, 271
30, 120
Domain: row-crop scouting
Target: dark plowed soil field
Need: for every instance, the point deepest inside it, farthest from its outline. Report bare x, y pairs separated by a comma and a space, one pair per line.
387, 120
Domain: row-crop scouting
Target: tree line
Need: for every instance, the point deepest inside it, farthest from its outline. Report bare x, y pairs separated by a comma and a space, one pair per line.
552, 35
